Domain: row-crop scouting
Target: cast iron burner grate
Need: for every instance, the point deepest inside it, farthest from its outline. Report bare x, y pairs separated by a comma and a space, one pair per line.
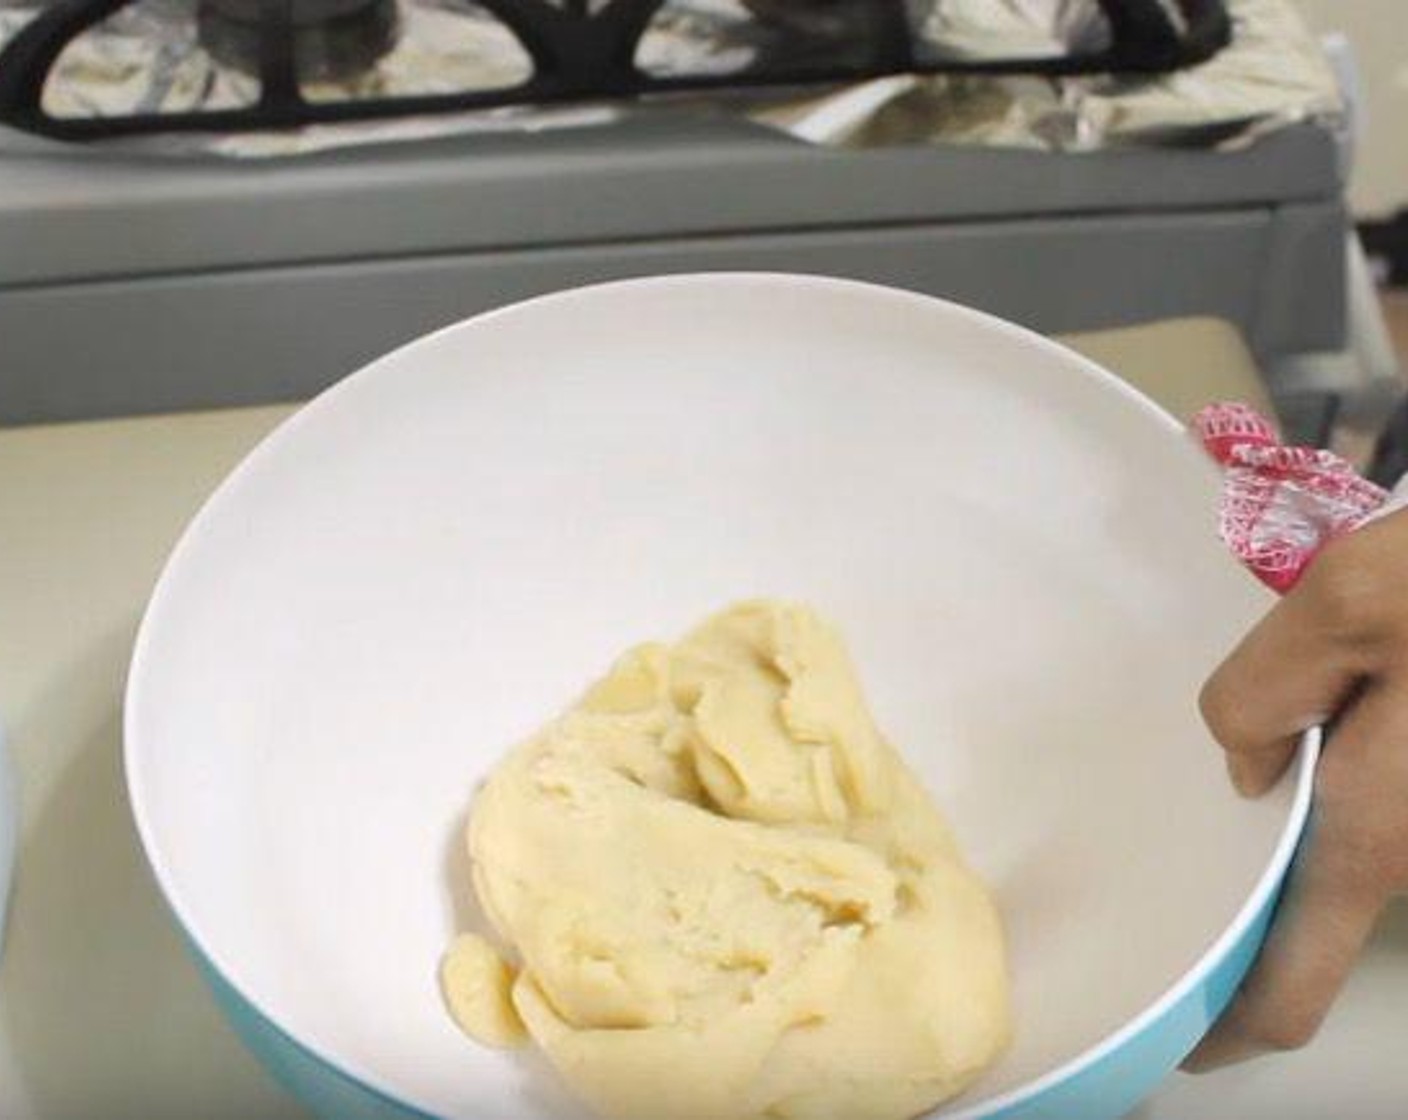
579, 51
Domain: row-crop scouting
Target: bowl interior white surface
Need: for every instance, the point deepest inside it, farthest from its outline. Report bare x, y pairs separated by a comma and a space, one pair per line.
436, 556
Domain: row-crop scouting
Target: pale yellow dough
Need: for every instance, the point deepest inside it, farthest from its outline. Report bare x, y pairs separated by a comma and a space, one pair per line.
727, 897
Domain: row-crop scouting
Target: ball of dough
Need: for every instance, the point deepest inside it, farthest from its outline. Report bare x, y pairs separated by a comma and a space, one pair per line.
726, 897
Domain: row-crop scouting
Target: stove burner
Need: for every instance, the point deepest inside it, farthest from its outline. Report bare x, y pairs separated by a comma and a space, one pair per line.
332, 39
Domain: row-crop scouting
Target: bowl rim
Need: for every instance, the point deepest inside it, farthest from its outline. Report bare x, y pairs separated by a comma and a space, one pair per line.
133, 735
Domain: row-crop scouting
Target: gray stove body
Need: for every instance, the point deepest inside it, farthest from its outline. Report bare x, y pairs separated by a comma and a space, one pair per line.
131, 284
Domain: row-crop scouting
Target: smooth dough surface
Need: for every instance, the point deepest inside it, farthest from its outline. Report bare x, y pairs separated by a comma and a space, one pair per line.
725, 897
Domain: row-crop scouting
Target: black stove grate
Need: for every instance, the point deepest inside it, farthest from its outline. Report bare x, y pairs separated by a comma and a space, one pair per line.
580, 54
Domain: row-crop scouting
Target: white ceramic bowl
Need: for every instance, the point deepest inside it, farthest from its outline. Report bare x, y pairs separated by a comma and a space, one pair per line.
438, 553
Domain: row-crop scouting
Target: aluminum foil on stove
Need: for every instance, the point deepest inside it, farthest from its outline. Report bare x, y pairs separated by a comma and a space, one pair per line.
1274, 74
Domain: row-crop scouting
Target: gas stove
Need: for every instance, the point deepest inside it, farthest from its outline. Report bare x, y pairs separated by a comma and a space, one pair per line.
282, 63
136, 278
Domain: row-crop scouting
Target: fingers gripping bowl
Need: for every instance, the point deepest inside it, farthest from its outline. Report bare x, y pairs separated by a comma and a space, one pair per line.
407, 576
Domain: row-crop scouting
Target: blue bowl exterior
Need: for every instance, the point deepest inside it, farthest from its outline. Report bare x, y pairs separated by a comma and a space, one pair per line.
1107, 1088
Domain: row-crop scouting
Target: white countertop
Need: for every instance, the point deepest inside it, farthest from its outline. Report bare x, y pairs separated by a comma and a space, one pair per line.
101, 1013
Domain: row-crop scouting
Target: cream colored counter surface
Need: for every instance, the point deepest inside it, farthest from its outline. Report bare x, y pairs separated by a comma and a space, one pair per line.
102, 1016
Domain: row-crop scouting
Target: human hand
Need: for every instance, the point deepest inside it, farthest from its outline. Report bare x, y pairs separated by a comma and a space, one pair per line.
1336, 646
